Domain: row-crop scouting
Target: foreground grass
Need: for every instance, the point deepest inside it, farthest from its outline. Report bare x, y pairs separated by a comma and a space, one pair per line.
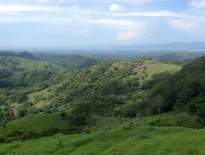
139, 140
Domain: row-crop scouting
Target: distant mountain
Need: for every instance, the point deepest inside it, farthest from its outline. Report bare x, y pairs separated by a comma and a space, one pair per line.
69, 62
168, 46
92, 48
23, 54
16, 64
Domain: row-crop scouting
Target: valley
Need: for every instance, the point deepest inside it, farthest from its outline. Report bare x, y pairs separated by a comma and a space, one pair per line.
49, 101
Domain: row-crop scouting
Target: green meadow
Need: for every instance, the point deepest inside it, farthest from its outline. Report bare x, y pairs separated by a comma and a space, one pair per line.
142, 140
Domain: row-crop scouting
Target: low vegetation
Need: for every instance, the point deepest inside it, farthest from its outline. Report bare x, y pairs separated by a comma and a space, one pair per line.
122, 107
124, 141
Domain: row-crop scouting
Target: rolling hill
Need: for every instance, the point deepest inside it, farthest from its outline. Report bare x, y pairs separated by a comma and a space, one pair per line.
15, 64
23, 54
70, 62
117, 103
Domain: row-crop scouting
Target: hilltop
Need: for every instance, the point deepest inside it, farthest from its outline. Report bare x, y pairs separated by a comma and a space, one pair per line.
22, 54
69, 61
15, 64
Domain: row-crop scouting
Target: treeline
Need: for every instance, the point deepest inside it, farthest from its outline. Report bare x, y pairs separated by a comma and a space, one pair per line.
112, 88
70, 62
185, 89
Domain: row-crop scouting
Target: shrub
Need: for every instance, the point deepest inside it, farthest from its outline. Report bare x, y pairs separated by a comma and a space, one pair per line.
86, 130
126, 127
94, 129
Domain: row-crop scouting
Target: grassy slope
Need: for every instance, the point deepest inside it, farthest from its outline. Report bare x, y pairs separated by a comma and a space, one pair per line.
43, 123
140, 140
29, 65
153, 68
69, 62
38, 123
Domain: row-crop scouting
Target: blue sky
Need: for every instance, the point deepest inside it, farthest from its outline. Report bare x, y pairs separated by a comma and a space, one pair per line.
100, 22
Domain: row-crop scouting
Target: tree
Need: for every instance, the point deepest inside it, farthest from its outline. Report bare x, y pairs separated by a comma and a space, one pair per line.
157, 104
63, 115
22, 113
197, 106
81, 114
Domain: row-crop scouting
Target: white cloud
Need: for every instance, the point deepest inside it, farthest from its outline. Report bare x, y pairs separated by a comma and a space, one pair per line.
127, 29
115, 8
35, 1
136, 2
184, 25
29, 8
69, 2
83, 31
192, 26
118, 24
198, 4
202, 31
152, 14
79, 32
127, 35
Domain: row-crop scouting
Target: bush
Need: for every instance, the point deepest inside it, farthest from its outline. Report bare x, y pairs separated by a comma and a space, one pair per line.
86, 130
94, 129
126, 127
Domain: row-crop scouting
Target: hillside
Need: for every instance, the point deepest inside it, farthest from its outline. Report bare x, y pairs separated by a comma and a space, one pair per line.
70, 62
105, 87
184, 91
111, 88
111, 97
15, 64
125, 141
40, 125
23, 54
18, 78
183, 87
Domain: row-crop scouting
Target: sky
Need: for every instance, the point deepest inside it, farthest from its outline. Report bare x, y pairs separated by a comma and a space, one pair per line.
46, 23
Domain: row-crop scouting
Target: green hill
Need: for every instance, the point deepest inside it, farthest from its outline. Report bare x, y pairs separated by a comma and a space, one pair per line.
105, 87
70, 62
39, 125
119, 99
20, 64
35, 126
23, 54
111, 88
125, 141
183, 88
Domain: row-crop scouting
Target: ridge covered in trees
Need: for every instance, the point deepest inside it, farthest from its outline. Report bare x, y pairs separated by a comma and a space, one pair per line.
114, 88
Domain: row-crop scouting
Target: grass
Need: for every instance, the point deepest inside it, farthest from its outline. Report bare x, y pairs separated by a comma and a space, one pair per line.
43, 123
155, 67
39, 123
168, 119
31, 65
41, 98
139, 140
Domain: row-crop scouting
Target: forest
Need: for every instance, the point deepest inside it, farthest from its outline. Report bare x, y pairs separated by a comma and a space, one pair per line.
71, 95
